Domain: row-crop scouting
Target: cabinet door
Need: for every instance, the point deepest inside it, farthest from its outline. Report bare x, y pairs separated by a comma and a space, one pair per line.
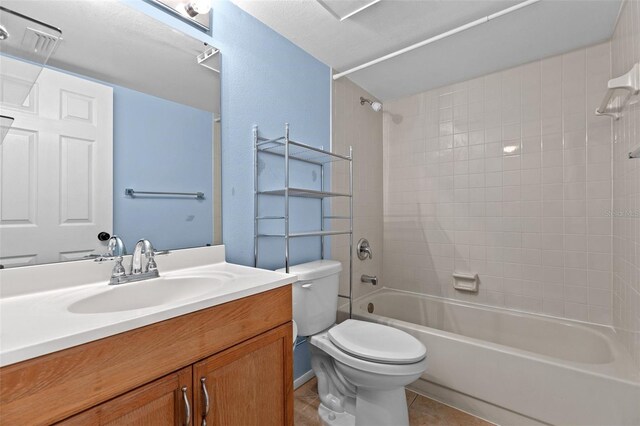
248, 384
166, 401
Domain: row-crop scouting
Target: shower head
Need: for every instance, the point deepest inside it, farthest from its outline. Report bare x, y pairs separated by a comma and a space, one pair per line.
375, 105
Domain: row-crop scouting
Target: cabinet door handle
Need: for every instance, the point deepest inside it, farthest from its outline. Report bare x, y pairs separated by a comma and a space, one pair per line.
187, 407
205, 394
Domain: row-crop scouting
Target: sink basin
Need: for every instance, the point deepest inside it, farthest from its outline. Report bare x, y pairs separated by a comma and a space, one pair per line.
145, 294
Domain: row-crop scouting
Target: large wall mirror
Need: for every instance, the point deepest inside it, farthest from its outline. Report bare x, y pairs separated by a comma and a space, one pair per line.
97, 98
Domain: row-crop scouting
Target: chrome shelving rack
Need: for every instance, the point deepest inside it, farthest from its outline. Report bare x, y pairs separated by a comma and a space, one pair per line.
289, 150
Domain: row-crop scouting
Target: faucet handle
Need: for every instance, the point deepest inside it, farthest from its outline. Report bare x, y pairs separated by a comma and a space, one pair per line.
118, 268
151, 262
364, 249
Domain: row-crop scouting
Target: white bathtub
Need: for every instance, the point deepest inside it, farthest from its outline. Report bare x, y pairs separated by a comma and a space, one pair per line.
513, 368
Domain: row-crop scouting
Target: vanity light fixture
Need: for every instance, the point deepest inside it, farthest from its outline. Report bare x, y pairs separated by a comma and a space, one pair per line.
197, 12
4, 34
198, 7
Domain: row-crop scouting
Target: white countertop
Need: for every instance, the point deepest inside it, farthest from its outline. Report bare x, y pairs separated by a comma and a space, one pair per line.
38, 322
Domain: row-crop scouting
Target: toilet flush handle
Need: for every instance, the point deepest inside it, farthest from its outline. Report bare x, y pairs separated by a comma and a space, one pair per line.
306, 285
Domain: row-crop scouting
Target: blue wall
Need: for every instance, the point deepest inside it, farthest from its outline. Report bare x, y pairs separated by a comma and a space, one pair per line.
266, 80
161, 145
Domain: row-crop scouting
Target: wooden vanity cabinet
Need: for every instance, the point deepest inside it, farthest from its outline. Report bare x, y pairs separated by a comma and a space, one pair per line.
247, 384
147, 376
161, 402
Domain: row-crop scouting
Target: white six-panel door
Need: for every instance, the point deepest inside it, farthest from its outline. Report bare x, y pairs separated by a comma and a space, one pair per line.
56, 167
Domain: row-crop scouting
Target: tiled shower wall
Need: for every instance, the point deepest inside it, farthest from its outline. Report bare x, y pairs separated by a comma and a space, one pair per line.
359, 126
508, 176
625, 51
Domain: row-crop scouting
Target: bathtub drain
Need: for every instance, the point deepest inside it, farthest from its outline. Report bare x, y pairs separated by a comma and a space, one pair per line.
370, 308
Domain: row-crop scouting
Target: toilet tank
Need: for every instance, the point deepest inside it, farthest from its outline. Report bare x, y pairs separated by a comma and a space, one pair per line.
315, 295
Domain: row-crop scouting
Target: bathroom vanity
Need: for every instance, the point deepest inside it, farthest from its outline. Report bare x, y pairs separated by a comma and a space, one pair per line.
222, 356
206, 342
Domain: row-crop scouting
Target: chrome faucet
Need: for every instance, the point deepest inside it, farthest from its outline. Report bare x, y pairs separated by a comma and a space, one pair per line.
369, 279
137, 272
115, 247
143, 246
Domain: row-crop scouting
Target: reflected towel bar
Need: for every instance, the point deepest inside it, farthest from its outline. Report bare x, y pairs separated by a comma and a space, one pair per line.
131, 193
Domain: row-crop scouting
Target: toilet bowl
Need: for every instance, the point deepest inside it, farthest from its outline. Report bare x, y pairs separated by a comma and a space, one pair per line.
361, 367
374, 363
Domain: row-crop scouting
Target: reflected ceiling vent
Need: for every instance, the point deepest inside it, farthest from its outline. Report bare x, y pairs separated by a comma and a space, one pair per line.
5, 125
345, 9
39, 42
30, 41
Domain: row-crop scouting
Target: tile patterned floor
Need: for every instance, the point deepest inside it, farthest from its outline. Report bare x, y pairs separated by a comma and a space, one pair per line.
422, 411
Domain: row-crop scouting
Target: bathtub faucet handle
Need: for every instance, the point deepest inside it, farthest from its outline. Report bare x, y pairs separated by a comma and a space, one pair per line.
369, 279
364, 249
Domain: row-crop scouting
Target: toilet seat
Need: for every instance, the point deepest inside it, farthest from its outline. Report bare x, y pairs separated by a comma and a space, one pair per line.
376, 342
322, 341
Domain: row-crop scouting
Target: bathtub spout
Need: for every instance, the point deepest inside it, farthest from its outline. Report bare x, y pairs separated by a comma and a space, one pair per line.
369, 279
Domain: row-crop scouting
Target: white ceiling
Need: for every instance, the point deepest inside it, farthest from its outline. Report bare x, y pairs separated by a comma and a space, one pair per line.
109, 41
540, 30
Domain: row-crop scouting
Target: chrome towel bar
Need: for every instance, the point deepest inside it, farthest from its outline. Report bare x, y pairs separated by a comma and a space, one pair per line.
131, 193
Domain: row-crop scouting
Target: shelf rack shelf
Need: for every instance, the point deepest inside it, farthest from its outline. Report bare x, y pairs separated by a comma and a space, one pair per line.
304, 193
298, 151
308, 234
291, 150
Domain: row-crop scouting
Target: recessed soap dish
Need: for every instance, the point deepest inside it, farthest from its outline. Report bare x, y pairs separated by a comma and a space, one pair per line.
465, 281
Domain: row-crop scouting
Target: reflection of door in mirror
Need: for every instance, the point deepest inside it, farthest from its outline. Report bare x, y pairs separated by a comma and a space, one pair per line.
56, 168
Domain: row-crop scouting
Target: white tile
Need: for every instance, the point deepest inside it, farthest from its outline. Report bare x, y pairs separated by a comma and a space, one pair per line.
576, 311
511, 174
575, 294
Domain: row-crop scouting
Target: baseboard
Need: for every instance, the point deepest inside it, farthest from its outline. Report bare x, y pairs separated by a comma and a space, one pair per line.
303, 379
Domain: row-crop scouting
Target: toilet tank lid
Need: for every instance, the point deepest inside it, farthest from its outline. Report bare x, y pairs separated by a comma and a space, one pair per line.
313, 270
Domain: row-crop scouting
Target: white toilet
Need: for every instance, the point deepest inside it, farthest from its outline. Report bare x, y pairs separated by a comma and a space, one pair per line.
361, 367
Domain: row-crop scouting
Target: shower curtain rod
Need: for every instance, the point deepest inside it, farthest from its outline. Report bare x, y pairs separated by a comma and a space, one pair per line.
446, 34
